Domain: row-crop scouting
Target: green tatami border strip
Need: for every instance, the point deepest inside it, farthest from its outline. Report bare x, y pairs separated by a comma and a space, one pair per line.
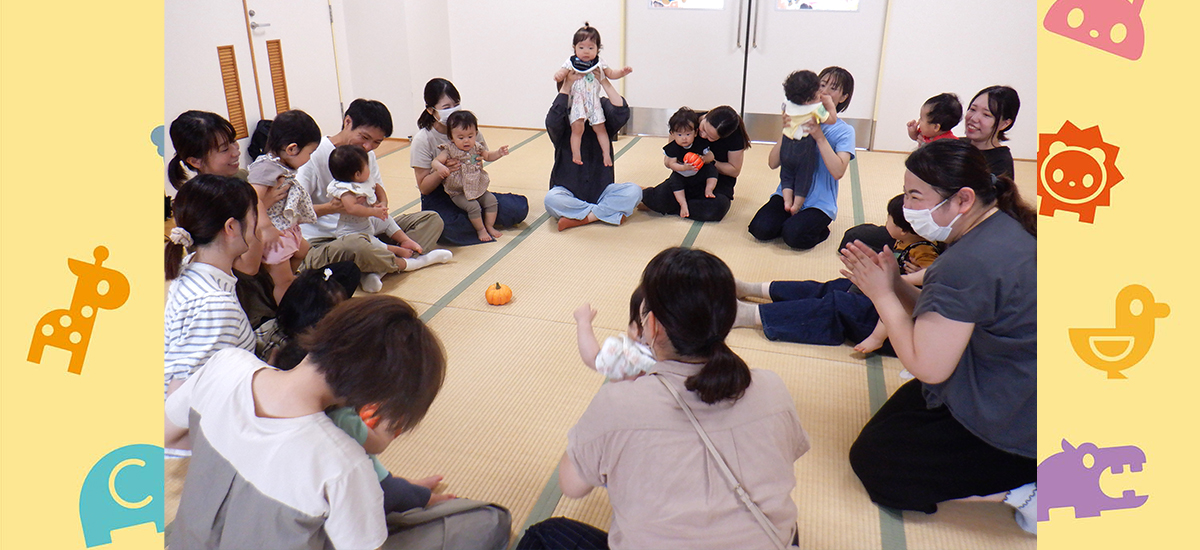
545, 505
495, 258
479, 271
856, 192
397, 211
891, 522
517, 146
551, 494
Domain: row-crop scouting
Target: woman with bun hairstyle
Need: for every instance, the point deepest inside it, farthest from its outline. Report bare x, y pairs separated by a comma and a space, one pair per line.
966, 427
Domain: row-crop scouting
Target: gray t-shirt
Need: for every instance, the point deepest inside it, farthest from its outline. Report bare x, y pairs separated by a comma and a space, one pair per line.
989, 278
424, 146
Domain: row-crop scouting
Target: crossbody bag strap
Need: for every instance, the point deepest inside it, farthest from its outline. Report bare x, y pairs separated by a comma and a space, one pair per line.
729, 477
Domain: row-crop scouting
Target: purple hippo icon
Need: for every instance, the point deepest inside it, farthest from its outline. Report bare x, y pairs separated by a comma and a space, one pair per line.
1072, 479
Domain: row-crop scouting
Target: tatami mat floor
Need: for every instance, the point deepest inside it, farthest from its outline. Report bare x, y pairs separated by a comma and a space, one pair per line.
516, 385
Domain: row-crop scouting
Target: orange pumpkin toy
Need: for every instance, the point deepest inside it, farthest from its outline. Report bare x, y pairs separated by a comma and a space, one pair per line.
498, 294
367, 414
695, 160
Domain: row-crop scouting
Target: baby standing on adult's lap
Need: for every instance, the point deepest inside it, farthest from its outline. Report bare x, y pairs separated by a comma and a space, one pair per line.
585, 92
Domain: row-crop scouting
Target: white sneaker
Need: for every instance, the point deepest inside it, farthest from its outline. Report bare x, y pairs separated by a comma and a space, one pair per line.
371, 282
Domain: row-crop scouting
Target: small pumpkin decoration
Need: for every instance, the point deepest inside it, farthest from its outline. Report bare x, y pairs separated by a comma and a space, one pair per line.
498, 294
695, 160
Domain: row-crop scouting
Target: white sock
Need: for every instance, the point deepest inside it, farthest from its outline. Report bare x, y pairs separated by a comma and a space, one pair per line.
438, 256
747, 315
752, 290
1024, 499
371, 282
905, 375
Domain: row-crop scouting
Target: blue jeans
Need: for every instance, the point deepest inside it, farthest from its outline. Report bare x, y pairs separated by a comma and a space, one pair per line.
617, 200
811, 312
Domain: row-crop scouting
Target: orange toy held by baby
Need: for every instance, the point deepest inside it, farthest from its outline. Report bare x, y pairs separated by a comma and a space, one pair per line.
695, 160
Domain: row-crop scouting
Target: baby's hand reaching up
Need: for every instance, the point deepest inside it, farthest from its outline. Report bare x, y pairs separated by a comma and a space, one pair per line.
913, 132
585, 314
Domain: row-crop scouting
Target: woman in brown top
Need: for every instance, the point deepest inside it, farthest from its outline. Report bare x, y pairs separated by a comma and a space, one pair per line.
636, 441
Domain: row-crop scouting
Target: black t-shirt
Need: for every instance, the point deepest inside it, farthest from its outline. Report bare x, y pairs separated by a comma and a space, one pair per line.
721, 147
676, 151
720, 150
586, 181
999, 159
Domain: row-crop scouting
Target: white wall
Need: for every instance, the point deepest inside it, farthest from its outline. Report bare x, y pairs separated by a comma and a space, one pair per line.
504, 53
192, 76
936, 46
428, 27
372, 45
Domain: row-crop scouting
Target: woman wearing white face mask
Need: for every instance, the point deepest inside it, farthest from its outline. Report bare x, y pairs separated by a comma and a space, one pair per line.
991, 113
441, 99
966, 428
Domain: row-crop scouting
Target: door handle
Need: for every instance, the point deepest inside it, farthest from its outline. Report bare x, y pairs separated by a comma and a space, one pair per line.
754, 38
254, 25
738, 31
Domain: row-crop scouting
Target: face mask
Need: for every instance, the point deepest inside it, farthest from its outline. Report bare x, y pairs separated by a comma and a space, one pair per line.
923, 224
443, 113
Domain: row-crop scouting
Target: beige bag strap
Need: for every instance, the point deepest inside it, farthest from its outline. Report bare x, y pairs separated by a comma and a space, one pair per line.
763, 522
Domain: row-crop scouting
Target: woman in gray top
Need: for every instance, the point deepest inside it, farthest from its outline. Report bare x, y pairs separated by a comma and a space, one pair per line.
966, 428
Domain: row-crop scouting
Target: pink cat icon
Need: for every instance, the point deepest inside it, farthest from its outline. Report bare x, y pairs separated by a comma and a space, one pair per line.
1114, 26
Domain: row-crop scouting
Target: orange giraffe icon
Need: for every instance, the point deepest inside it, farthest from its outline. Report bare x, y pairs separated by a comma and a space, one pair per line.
1116, 349
71, 329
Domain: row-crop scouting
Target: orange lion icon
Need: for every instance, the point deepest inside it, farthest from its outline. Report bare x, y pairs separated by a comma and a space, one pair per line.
1076, 171
71, 329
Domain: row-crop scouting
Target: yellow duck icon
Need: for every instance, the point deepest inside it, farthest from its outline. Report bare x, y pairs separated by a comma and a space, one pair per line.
1115, 349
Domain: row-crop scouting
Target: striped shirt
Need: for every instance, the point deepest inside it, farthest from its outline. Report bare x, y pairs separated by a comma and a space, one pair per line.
202, 317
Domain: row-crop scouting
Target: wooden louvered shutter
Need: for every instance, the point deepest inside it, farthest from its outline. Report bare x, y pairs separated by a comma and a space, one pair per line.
278, 79
233, 90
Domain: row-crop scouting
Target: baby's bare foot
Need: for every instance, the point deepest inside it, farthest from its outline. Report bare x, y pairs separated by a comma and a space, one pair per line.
429, 482
400, 251
492, 231
484, 235
575, 158
871, 343
607, 159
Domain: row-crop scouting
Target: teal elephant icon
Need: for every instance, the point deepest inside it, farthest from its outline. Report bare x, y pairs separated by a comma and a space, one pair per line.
123, 489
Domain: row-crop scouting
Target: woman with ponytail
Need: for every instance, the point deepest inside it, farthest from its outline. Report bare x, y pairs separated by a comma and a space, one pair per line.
634, 438
990, 114
442, 99
206, 144
216, 221
966, 427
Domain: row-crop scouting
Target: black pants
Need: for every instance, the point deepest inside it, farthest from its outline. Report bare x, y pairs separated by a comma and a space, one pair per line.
874, 236
911, 457
661, 199
563, 534
803, 230
567, 534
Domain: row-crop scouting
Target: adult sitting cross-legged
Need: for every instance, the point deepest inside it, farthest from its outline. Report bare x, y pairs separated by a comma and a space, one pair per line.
581, 193
366, 124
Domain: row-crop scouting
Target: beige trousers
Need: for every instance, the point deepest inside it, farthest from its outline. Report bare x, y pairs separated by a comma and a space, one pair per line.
424, 227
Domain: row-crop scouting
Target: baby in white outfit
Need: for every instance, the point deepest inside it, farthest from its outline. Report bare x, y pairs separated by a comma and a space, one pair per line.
622, 357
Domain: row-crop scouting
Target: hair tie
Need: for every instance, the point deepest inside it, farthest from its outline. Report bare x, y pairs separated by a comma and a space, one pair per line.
995, 180
328, 273
180, 236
